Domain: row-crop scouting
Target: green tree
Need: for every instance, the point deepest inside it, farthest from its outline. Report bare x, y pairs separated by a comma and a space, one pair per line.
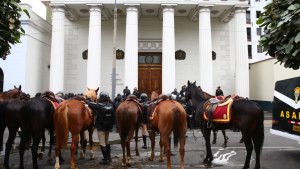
10, 25
281, 24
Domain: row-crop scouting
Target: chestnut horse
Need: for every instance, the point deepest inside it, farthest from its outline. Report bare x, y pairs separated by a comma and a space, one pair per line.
75, 117
167, 116
247, 114
10, 94
128, 121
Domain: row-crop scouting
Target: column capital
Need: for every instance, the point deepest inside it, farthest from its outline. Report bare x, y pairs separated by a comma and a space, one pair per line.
95, 7
132, 7
240, 8
58, 7
204, 7
168, 7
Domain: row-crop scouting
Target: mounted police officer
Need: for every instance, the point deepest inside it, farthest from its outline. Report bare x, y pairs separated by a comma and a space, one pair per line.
144, 102
104, 112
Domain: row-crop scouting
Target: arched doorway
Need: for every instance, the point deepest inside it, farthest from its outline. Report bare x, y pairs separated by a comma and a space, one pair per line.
150, 72
1, 80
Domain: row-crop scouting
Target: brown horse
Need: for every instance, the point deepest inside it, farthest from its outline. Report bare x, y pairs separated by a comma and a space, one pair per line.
75, 117
247, 114
168, 116
10, 94
128, 121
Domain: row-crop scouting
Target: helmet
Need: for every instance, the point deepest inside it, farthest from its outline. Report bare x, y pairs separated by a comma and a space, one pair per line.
104, 95
144, 97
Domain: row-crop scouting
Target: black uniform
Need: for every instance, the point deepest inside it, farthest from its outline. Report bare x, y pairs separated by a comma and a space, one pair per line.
104, 113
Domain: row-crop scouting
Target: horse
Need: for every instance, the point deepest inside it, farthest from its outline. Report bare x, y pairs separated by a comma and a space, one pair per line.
75, 117
244, 113
167, 116
12, 93
128, 121
37, 116
4, 96
12, 120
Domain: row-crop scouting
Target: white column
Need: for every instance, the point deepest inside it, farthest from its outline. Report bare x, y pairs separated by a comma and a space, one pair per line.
168, 49
241, 54
205, 50
57, 50
131, 47
94, 48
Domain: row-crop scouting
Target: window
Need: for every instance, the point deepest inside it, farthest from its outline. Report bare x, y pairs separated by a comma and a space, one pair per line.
259, 49
248, 18
249, 34
258, 14
257, 0
258, 31
249, 51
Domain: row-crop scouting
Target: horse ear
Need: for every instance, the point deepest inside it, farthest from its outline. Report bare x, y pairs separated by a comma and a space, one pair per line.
189, 82
88, 88
15, 87
97, 90
20, 87
194, 83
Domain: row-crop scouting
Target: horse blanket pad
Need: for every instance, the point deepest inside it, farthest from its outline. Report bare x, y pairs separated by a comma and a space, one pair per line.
222, 113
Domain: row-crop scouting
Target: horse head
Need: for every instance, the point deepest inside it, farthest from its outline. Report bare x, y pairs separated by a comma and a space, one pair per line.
12, 93
91, 94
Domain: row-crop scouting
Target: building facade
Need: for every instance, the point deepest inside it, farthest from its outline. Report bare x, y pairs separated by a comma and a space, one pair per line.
255, 52
28, 63
149, 33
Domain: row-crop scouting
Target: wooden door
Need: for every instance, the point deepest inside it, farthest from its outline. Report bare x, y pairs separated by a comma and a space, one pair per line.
150, 73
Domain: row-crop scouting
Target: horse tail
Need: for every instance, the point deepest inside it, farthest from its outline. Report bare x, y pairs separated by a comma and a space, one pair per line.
62, 132
176, 126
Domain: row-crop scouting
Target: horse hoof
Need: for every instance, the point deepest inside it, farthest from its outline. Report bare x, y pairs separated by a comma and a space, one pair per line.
161, 160
224, 145
150, 159
123, 164
92, 158
214, 142
50, 159
40, 156
137, 154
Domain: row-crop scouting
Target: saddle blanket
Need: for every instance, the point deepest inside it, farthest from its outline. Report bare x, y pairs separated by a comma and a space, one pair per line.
222, 114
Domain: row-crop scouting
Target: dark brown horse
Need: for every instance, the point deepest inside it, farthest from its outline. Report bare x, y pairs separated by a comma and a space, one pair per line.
166, 117
75, 117
128, 121
247, 114
13, 93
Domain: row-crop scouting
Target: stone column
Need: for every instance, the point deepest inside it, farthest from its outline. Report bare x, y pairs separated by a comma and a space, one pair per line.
241, 53
131, 47
94, 48
57, 50
168, 49
205, 50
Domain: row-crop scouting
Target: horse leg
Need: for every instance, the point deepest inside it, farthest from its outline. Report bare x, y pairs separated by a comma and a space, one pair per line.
225, 139
91, 131
209, 156
24, 140
215, 132
164, 139
34, 148
41, 154
2, 128
152, 139
123, 149
136, 142
83, 143
75, 140
127, 143
181, 149
249, 148
51, 131
57, 154
258, 140
161, 158
10, 140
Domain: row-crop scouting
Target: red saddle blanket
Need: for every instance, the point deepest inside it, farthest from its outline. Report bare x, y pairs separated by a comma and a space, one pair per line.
222, 114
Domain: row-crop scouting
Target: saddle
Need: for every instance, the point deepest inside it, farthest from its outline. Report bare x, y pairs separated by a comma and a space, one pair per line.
220, 110
152, 107
134, 99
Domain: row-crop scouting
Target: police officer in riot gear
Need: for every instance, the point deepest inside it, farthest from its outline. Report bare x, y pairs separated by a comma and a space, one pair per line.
104, 112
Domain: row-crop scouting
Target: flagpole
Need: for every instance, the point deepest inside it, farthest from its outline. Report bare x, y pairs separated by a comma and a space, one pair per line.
113, 93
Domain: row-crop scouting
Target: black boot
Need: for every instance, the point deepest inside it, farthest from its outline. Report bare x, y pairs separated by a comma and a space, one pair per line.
145, 142
108, 152
104, 153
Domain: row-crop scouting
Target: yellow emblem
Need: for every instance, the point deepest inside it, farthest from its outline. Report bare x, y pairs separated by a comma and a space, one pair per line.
296, 94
